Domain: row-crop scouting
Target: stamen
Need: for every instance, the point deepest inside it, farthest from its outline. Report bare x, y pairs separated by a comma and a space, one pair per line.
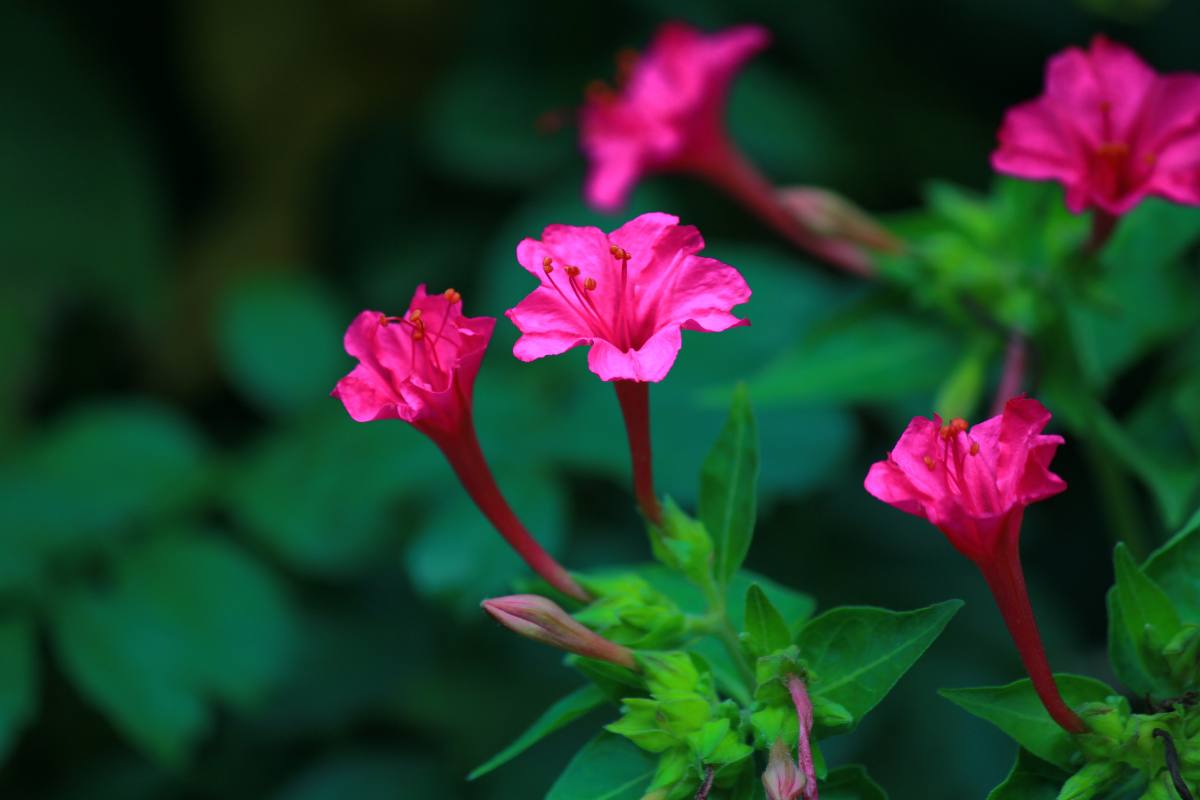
974, 448
572, 271
452, 296
414, 315
589, 284
385, 320
945, 431
548, 264
1113, 150
929, 462
958, 425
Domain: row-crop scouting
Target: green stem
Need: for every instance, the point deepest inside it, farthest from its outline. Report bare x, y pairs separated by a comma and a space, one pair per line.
725, 631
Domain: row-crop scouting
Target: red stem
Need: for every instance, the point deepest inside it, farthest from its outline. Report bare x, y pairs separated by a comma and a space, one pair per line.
461, 448
804, 719
634, 397
729, 170
1103, 225
1003, 575
1016, 358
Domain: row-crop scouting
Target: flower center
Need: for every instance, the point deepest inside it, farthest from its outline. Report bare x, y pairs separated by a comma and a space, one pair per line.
424, 340
581, 299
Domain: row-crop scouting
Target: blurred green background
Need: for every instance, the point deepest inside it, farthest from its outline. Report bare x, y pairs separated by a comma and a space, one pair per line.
214, 585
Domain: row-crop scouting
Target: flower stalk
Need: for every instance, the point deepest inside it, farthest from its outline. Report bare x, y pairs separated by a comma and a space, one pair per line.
634, 398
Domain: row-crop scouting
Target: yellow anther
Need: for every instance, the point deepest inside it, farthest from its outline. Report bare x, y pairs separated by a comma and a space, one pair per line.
572, 271
958, 425
589, 284
974, 448
415, 314
452, 296
928, 462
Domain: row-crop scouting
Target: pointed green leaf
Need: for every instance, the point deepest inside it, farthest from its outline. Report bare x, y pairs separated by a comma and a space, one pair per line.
608, 767
728, 487
1174, 567
562, 713
1030, 779
1016, 710
18, 679
1126, 662
765, 628
1148, 614
856, 654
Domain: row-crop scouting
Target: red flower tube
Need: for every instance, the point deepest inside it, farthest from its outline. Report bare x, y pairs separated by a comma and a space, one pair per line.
420, 367
668, 116
628, 295
974, 484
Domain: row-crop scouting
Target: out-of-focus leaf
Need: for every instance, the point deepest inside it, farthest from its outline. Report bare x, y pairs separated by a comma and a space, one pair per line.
364, 775
1031, 778
186, 618
18, 679
729, 487
870, 359
857, 654
326, 496
564, 712
280, 343
1016, 710
460, 557
851, 782
782, 127
609, 767
96, 472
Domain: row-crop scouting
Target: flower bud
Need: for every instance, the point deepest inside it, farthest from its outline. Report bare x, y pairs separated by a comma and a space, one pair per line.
832, 215
782, 779
543, 620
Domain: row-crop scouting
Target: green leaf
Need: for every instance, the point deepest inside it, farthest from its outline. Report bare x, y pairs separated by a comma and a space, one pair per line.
851, 782
18, 679
98, 471
765, 627
1030, 778
1142, 615
856, 654
860, 359
1016, 710
608, 767
728, 488
1174, 567
185, 618
564, 712
280, 342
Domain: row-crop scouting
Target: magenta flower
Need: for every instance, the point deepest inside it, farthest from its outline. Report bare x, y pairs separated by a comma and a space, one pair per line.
628, 295
420, 367
668, 115
973, 484
1109, 129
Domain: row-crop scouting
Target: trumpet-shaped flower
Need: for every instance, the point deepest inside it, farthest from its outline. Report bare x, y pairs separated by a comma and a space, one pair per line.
669, 114
628, 294
1109, 128
420, 367
973, 484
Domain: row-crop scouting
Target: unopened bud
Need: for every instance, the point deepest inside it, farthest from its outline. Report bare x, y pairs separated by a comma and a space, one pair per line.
829, 214
782, 779
543, 620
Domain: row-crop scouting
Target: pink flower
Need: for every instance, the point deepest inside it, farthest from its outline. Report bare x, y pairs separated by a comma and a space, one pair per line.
628, 294
419, 367
973, 484
669, 115
1110, 129
782, 779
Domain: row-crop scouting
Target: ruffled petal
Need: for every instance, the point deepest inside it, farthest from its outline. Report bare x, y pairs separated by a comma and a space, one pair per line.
368, 398
548, 325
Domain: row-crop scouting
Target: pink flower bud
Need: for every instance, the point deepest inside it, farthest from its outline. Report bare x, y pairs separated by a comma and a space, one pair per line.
782, 779
542, 620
